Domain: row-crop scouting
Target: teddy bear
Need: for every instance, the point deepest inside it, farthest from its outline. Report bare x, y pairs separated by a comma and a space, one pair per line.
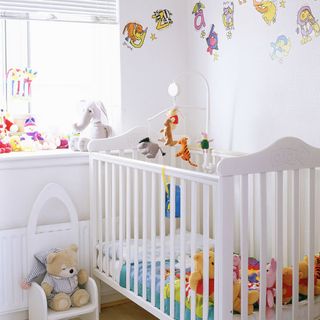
303, 278
196, 283
62, 280
287, 285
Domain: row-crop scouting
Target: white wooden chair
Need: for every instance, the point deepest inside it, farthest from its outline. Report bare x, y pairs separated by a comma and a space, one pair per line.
46, 237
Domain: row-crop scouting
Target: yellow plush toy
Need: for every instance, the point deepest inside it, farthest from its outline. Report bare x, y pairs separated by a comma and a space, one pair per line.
303, 278
196, 283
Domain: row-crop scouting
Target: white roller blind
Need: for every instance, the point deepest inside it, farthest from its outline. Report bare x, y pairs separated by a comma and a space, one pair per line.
94, 11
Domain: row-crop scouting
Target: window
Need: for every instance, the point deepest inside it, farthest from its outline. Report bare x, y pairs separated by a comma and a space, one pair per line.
73, 61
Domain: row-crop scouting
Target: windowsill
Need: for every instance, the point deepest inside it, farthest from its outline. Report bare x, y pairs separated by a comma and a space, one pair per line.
49, 158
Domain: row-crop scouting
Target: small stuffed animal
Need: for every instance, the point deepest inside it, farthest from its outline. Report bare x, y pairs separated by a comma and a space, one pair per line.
167, 131
236, 267
184, 152
196, 277
62, 279
271, 282
196, 283
287, 285
149, 148
303, 278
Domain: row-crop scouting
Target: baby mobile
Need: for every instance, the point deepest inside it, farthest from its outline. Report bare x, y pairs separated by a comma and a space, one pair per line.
19, 82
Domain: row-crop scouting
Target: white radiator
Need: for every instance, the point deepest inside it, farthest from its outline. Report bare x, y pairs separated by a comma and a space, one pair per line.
13, 266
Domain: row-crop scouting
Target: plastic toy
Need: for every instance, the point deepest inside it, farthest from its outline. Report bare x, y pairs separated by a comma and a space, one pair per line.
91, 114
149, 148
184, 152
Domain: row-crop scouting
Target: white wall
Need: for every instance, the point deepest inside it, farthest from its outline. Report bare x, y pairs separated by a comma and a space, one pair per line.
147, 71
257, 100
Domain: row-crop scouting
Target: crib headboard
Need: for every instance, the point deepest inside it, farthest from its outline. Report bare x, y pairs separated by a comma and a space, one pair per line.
46, 237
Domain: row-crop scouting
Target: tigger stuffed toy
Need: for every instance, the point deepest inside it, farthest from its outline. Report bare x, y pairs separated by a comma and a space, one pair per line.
184, 152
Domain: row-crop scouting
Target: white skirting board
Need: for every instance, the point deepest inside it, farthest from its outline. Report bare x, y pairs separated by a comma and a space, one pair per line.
13, 267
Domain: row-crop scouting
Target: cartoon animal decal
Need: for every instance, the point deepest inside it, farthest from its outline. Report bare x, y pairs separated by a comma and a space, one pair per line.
135, 34
307, 24
167, 131
199, 21
280, 48
268, 9
227, 17
162, 18
184, 152
212, 41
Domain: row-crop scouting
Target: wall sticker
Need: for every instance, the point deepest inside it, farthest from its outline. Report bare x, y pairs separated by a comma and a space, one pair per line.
268, 10
162, 18
307, 24
135, 35
228, 17
280, 48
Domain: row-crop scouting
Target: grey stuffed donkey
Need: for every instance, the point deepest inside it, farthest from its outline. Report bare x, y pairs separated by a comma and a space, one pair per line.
91, 114
149, 149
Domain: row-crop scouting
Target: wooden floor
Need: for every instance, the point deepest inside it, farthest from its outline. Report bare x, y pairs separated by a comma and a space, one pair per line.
125, 311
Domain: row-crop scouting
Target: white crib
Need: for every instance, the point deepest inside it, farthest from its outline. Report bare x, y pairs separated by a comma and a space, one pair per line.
263, 205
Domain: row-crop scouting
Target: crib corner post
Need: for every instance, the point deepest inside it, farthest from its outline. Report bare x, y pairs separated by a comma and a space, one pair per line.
224, 249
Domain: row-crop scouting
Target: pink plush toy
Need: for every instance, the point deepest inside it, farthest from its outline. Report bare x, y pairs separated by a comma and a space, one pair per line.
271, 282
236, 267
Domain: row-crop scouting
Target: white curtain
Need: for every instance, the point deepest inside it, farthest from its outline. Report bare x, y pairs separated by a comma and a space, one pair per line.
92, 11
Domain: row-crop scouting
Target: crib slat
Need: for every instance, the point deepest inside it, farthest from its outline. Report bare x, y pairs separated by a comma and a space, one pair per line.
194, 206
113, 219
244, 222
107, 221
263, 246
136, 228
93, 209
295, 244
311, 248
162, 244
205, 205
172, 242
121, 213
279, 244
153, 237
144, 234
100, 215
128, 228
183, 249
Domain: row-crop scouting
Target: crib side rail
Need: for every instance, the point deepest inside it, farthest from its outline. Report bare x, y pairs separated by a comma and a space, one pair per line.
148, 218
277, 192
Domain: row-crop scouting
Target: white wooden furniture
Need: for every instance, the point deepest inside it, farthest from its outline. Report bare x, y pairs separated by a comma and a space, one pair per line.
261, 205
39, 239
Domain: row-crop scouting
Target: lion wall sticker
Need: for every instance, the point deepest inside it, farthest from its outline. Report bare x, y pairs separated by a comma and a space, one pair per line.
135, 35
